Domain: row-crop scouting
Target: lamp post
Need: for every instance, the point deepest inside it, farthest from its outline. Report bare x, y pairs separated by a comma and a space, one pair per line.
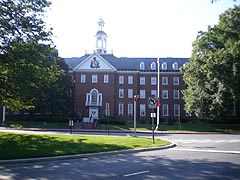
158, 92
136, 97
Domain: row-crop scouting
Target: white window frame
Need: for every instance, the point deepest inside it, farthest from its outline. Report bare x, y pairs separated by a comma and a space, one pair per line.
154, 92
130, 93
176, 109
164, 80
175, 66
142, 110
142, 66
120, 109
164, 94
142, 94
142, 80
130, 109
83, 78
94, 78
175, 80
176, 94
130, 79
121, 80
153, 81
153, 66
106, 78
164, 109
121, 93
164, 66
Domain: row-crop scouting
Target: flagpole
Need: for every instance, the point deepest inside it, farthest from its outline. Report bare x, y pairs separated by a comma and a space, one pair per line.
158, 89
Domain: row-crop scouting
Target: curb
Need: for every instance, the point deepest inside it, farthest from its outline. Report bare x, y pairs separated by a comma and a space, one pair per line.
66, 157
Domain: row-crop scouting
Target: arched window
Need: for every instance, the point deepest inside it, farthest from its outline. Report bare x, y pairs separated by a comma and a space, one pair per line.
142, 66
153, 66
93, 98
164, 66
175, 66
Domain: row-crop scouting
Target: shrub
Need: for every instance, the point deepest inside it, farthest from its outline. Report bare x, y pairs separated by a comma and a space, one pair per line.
112, 120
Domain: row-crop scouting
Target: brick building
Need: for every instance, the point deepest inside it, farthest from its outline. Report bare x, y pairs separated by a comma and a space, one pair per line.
106, 84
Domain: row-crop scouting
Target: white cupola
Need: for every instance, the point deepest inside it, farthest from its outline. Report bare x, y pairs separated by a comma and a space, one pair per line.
101, 38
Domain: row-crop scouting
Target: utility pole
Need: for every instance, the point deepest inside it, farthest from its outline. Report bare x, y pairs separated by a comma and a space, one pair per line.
136, 97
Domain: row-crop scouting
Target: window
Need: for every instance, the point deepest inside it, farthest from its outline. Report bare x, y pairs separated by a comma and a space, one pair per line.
164, 80
106, 78
164, 66
142, 94
121, 93
153, 80
165, 94
142, 109
154, 92
142, 80
165, 109
142, 66
130, 79
93, 98
176, 109
121, 79
130, 93
175, 80
83, 78
153, 66
176, 94
120, 109
94, 79
130, 109
175, 66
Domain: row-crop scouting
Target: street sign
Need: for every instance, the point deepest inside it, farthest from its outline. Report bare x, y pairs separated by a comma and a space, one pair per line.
152, 102
153, 115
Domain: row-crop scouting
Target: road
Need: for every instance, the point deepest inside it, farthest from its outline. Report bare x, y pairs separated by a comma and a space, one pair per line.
200, 157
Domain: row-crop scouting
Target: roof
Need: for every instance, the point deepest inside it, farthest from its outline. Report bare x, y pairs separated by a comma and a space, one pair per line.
131, 64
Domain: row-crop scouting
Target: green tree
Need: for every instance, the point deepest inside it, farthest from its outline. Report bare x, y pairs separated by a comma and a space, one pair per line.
31, 70
212, 76
22, 20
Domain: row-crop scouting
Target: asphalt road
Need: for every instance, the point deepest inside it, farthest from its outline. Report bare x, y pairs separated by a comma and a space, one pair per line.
200, 157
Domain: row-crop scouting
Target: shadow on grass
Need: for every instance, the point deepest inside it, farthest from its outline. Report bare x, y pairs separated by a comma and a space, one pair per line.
15, 146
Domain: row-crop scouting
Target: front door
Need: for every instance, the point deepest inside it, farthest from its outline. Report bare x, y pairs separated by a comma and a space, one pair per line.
93, 113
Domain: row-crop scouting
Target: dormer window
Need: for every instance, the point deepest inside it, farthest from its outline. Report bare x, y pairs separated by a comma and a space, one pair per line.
153, 66
164, 66
175, 66
142, 66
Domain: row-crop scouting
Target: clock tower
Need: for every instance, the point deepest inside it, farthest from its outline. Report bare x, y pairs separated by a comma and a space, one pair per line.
101, 38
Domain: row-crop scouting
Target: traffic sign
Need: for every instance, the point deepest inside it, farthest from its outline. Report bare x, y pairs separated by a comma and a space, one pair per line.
152, 102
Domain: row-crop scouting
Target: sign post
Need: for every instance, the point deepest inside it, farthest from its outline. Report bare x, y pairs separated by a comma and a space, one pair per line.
152, 104
70, 125
153, 115
136, 97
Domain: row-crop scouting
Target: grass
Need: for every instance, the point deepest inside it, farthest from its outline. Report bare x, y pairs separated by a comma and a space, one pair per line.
17, 145
194, 127
197, 127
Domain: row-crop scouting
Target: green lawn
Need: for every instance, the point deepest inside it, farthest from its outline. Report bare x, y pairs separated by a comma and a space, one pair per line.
17, 145
197, 127
194, 127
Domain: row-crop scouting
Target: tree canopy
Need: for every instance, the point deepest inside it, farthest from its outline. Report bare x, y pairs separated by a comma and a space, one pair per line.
30, 67
213, 74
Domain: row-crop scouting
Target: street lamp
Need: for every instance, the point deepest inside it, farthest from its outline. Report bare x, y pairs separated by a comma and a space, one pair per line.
158, 92
136, 97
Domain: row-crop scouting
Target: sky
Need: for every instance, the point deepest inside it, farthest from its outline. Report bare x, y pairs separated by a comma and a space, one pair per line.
135, 28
